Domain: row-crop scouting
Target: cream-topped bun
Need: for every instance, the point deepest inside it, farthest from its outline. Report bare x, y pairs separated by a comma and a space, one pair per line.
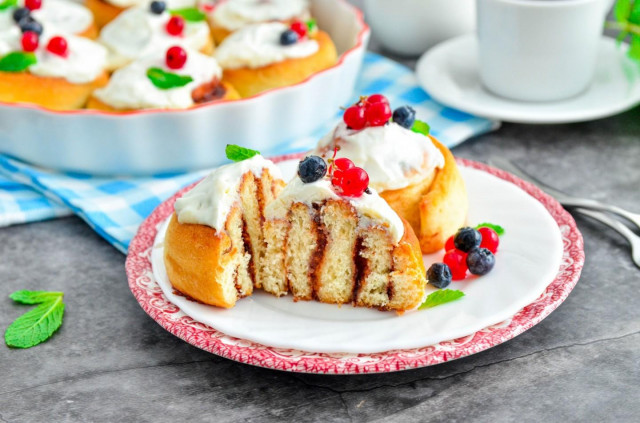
57, 15
234, 14
258, 45
138, 32
84, 62
131, 89
172, 4
368, 205
393, 156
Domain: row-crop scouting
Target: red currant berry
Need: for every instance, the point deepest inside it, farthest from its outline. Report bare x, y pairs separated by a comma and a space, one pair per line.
449, 245
175, 26
354, 117
457, 262
58, 46
377, 98
33, 4
176, 57
490, 239
353, 182
343, 164
378, 114
299, 28
29, 41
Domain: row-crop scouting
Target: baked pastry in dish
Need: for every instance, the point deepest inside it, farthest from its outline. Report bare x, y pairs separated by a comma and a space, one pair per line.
174, 78
55, 71
261, 57
140, 30
324, 236
228, 16
413, 172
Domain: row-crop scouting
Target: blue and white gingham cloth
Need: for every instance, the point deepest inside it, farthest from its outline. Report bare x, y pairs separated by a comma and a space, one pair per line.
115, 207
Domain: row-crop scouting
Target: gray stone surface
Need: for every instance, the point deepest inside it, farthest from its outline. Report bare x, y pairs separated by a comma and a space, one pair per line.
111, 362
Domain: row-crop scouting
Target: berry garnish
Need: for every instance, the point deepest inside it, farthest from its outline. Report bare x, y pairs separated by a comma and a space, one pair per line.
157, 7
288, 37
490, 239
29, 24
449, 245
466, 239
457, 262
175, 26
354, 117
480, 261
311, 169
176, 57
377, 114
343, 164
33, 4
20, 13
299, 28
377, 98
404, 116
351, 182
29, 41
439, 275
58, 46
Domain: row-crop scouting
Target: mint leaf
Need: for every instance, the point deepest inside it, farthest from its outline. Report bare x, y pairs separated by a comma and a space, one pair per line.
499, 229
622, 10
167, 80
312, 25
37, 325
420, 127
238, 154
190, 14
441, 296
17, 61
7, 4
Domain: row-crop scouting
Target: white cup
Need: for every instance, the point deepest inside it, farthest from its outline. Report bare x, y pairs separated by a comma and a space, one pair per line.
539, 50
410, 27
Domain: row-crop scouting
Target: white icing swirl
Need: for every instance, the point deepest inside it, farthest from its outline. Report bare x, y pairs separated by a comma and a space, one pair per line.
393, 156
234, 14
57, 15
171, 4
84, 63
131, 88
255, 46
371, 208
137, 32
210, 202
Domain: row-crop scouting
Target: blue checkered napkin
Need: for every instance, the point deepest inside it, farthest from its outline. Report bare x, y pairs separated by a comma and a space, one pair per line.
115, 207
21, 204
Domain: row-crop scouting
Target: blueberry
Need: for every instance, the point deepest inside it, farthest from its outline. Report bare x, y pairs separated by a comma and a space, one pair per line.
404, 116
466, 239
311, 169
439, 275
288, 37
19, 13
29, 24
480, 261
157, 7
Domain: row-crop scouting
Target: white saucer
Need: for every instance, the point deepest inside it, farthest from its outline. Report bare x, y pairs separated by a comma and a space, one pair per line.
449, 73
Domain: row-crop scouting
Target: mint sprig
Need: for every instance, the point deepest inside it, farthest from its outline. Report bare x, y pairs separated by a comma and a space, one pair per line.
420, 127
17, 61
6, 4
238, 154
190, 14
627, 15
38, 324
312, 26
167, 80
441, 296
499, 229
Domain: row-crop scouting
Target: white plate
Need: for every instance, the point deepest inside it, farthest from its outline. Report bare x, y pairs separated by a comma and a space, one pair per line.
449, 73
528, 260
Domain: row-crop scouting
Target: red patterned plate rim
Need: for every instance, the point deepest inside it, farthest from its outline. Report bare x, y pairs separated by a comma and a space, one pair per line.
147, 292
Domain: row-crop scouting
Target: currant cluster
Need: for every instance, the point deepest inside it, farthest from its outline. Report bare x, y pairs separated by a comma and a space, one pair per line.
375, 110
30, 28
297, 31
348, 179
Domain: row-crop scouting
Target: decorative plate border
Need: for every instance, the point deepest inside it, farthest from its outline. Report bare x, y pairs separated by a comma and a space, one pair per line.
146, 290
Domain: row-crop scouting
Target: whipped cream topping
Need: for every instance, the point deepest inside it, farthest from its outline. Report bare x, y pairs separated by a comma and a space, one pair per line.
138, 32
393, 156
57, 15
234, 14
85, 62
370, 207
210, 202
131, 88
171, 4
258, 45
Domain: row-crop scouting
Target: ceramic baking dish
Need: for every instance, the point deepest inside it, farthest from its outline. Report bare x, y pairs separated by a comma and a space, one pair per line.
150, 142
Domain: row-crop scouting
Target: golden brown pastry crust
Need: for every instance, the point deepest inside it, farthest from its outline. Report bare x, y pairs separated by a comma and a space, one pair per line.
436, 207
91, 32
52, 93
94, 103
408, 256
103, 12
250, 82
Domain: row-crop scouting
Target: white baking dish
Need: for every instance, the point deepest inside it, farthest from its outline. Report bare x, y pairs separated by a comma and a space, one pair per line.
148, 142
